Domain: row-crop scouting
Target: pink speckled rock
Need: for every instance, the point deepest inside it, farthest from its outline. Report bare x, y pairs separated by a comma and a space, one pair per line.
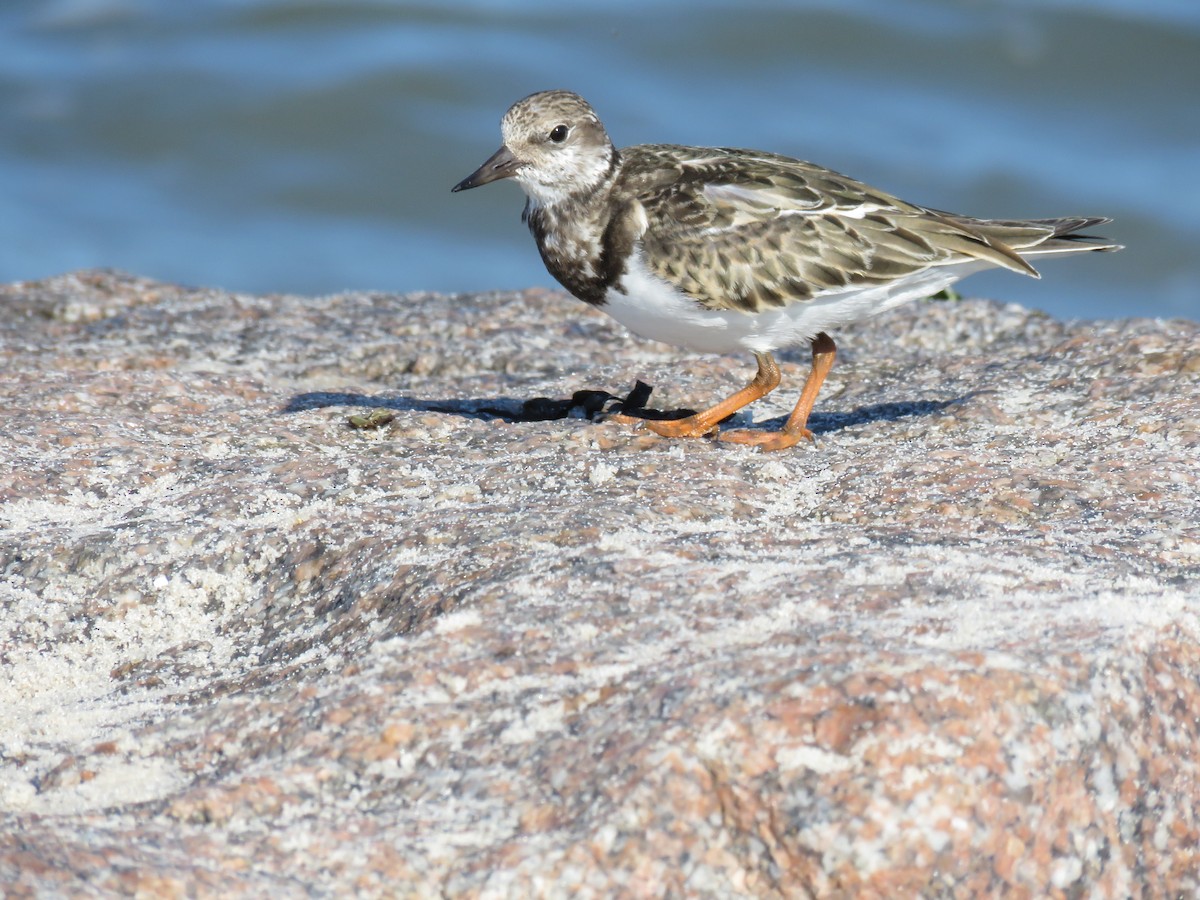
493, 647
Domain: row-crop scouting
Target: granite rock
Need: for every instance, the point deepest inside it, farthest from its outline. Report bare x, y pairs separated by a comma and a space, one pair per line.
494, 645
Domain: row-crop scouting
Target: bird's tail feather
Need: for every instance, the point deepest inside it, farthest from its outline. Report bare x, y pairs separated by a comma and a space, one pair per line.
1033, 238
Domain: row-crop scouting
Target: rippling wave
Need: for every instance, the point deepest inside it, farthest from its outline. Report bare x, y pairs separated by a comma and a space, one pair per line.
310, 146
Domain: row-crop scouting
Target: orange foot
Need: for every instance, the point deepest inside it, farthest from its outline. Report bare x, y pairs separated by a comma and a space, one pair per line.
690, 427
623, 418
765, 381
708, 421
794, 431
767, 440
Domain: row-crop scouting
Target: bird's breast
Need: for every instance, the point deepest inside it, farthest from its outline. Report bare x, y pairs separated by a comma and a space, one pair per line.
653, 308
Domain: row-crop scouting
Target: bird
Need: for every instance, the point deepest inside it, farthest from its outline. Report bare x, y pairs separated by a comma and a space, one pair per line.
725, 250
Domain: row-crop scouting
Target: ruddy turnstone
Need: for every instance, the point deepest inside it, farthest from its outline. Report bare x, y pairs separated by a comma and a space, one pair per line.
722, 250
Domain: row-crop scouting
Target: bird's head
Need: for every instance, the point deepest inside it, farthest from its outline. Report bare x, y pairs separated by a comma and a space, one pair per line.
555, 147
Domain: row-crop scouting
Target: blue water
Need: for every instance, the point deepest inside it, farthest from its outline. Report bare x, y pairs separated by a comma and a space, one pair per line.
309, 145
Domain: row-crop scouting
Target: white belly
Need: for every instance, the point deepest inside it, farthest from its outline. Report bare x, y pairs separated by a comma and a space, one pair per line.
655, 309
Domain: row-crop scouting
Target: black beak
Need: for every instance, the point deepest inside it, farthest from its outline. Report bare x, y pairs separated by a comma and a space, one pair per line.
501, 164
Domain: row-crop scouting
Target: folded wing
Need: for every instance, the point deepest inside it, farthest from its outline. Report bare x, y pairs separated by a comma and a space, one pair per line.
739, 229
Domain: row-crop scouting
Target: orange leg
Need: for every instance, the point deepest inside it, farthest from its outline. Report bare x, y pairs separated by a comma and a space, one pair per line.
823, 353
706, 421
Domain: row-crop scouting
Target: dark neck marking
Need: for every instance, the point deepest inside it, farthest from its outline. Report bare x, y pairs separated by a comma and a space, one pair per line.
585, 240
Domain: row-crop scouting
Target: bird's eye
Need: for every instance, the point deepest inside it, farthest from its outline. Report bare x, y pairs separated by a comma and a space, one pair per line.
559, 133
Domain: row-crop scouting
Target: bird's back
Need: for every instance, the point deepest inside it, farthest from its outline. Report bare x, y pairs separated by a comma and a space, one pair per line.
750, 230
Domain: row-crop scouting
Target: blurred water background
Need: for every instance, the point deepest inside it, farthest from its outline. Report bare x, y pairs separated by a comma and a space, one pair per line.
309, 145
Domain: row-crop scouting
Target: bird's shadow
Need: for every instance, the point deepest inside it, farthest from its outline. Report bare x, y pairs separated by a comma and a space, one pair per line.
595, 405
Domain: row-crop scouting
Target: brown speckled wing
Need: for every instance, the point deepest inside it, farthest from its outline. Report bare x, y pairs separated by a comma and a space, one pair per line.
742, 229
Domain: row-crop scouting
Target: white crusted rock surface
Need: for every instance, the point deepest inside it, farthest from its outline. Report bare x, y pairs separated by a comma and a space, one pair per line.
495, 648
